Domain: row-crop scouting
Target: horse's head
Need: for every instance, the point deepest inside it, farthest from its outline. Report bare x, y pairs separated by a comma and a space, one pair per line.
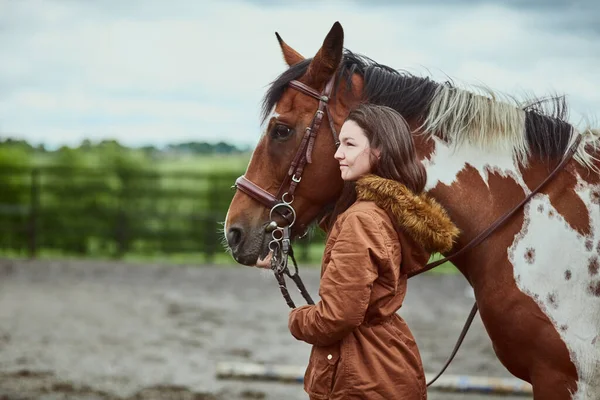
293, 161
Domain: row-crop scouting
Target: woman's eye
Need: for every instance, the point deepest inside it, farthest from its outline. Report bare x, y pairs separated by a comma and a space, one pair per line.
281, 132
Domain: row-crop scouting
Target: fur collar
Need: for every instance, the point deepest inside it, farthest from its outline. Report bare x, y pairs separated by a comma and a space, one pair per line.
419, 216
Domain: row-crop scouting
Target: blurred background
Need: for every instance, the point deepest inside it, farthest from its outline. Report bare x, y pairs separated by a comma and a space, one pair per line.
123, 125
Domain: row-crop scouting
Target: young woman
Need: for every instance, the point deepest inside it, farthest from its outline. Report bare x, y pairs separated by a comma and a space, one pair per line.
382, 227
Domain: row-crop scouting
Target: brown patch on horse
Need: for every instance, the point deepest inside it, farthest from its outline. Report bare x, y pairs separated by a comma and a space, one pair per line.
589, 245
552, 300
598, 248
561, 191
530, 255
594, 288
568, 275
595, 196
593, 266
540, 208
469, 191
586, 174
563, 328
424, 144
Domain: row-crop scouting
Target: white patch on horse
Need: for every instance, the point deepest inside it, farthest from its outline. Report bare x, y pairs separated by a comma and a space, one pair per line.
562, 282
446, 162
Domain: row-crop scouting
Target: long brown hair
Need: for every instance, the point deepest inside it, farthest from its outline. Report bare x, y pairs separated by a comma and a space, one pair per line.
388, 132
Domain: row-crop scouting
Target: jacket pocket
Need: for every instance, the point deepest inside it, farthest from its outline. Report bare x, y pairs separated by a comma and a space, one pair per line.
322, 367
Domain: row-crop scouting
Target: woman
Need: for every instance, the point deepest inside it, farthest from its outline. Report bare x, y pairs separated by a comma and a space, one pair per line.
382, 228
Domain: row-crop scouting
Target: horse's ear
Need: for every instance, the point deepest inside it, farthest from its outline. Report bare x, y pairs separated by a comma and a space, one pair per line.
290, 55
328, 58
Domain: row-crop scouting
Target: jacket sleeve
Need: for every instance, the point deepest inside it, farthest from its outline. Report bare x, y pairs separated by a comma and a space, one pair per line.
346, 284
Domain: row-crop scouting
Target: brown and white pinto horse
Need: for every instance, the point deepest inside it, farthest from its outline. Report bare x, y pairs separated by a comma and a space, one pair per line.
537, 278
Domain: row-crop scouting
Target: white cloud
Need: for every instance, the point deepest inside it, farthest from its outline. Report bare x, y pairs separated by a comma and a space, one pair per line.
80, 104
184, 70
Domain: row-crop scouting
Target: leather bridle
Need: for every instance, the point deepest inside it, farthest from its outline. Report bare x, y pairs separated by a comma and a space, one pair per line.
284, 197
280, 245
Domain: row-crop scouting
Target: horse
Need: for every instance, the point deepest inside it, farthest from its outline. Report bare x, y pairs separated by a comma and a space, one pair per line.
536, 278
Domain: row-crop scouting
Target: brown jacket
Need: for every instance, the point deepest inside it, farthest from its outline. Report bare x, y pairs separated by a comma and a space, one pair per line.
361, 348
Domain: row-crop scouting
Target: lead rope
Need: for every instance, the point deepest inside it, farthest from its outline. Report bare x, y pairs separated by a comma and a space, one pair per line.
459, 342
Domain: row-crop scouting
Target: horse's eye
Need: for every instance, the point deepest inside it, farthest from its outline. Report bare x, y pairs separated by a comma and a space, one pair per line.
281, 132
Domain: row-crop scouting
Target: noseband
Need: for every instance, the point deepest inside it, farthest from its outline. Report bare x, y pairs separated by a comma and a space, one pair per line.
281, 203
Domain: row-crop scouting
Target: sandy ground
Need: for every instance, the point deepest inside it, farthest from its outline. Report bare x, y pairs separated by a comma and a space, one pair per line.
101, 330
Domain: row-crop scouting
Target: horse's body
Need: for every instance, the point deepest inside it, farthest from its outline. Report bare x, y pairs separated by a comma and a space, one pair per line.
537, 278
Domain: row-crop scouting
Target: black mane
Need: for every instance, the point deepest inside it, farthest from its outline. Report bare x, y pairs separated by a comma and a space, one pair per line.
546, 131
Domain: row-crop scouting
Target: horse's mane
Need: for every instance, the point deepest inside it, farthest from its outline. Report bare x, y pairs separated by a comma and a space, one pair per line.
535, 127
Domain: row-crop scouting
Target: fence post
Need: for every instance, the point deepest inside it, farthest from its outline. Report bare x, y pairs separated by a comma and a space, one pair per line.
33, 212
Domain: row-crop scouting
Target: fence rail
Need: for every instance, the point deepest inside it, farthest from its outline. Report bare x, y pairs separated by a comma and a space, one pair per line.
88, 212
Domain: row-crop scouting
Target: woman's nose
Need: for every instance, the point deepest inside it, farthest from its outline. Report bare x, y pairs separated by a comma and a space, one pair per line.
338, 154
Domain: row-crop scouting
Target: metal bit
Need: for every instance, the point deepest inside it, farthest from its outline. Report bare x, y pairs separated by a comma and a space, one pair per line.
271, 227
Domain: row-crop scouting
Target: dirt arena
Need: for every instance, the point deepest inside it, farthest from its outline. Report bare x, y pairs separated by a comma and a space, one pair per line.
103, 330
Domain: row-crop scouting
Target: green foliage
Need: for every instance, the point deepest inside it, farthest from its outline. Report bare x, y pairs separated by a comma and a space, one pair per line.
205, 148
106, 200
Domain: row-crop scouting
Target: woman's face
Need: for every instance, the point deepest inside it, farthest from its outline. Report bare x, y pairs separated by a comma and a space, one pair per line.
354, 153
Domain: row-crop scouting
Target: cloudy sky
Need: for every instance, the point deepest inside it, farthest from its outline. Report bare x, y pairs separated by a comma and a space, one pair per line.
158, 71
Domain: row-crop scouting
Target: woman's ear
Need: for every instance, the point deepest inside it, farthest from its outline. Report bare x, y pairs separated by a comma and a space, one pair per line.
377, 153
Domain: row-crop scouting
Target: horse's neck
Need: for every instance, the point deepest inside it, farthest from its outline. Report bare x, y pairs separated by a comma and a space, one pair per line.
478, 187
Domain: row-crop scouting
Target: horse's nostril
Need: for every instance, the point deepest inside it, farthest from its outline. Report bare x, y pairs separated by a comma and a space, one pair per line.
234, 236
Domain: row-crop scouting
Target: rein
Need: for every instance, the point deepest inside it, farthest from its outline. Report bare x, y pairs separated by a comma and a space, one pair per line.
280, 245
